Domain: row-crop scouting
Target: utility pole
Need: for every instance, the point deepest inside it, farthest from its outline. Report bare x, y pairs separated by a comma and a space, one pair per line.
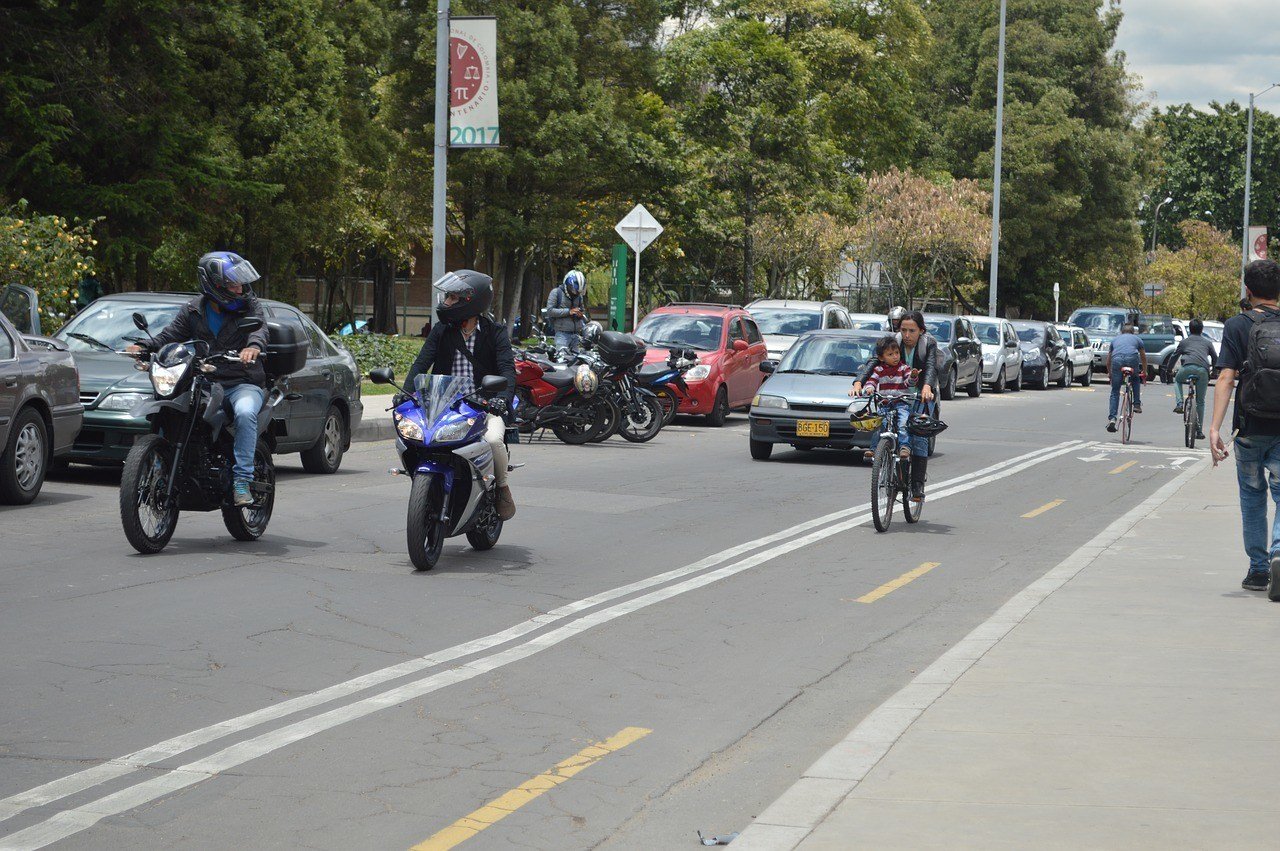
995, 198
1248, 179
440, 162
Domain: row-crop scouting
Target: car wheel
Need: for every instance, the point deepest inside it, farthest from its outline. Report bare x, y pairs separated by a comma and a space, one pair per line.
326, 455
761, 449
25, 459
1088, 377
719, 408
975, 387
1067, 376
998, 387
1016, 384
949, 389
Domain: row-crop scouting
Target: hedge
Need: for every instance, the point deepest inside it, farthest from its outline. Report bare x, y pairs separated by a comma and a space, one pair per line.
374, 350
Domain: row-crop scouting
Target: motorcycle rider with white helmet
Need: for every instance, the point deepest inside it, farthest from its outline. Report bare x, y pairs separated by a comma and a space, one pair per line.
567, 310
896, 314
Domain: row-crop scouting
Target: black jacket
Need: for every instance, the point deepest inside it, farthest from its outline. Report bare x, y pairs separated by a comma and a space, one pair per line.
924, 358
190, 324
493, 355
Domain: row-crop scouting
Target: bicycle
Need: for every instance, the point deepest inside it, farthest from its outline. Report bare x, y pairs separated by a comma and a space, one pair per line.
1190, 414
891, 473
1125, 414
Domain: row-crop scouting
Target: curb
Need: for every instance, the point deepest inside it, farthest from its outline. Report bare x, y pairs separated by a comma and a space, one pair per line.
374, 425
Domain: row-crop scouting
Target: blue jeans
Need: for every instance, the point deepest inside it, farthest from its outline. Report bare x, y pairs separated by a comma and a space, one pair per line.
244, 402
1257, 469
568, 340
920, 445
1135, 381
896, 416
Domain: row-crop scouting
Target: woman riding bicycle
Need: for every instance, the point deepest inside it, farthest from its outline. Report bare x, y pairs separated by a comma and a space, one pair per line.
892, 378
920, 352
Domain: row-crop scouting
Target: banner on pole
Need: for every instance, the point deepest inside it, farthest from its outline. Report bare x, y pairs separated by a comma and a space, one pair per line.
473, 82
1257, 243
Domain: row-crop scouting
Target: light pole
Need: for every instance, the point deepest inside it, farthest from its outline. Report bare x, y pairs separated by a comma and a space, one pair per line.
1248, 178
440, 157
1155, 224
995, 196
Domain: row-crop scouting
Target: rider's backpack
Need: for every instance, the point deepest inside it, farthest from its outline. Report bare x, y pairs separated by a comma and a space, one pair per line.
1260, 381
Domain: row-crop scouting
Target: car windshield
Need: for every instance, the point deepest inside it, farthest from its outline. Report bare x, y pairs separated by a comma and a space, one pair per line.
1158, 325
787, 322
940, 329
675, 330
988, 332
828, 355
869, 323
1213, 333
104, 324
1031, 335
1102, 323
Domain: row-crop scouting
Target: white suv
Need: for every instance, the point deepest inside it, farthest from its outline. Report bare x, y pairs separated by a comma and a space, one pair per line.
782, 321
1001, 354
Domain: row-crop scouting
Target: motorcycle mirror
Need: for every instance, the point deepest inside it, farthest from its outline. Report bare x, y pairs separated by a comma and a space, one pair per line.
384, 375
494, 384
249, 324
140, 322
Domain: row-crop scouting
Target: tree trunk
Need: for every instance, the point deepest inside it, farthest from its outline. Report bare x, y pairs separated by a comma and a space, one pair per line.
384, 294
518, 293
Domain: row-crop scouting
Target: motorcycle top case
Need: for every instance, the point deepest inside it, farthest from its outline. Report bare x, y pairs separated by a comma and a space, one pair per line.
286, 348
618, 349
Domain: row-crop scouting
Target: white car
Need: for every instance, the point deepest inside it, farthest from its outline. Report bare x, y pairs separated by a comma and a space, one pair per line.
1001, 354
1079, 352
783, 320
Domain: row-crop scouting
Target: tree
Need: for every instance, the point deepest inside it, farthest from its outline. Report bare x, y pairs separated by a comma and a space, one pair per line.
48, 254
1202, 278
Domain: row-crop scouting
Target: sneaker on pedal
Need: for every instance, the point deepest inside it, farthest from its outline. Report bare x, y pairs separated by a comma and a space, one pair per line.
1200, 435
1111, 424
1178, 409
1137, 409
1256, 580
241, 495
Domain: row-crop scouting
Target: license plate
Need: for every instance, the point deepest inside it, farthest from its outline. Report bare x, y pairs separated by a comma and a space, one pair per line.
813, 428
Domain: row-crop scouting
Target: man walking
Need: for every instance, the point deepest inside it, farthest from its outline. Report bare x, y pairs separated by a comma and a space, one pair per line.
1251, 352
1126, 350
1198, 357
567, 310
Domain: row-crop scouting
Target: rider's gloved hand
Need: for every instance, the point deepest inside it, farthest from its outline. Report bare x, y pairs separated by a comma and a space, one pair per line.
399, 399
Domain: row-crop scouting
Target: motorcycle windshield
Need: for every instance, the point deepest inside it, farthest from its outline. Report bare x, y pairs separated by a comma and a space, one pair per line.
436, 393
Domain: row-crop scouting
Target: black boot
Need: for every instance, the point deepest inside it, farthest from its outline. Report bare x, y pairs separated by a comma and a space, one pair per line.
919, 469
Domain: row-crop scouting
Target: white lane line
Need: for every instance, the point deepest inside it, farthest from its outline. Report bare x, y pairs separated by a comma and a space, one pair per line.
787, 821
69, 822
72, 784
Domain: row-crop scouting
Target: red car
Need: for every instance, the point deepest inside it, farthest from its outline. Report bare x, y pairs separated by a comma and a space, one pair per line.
730, 351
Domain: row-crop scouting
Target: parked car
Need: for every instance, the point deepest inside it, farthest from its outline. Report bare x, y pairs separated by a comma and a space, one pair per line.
1103, 325
805, 400
319, 425
1001, 354
782, 321
40, 410
730, 350
1044, 355
1078, 352
959, 353
869, 322
1212, 332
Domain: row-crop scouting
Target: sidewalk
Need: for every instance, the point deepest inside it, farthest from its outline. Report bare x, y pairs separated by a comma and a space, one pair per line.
376, 422
1126, 700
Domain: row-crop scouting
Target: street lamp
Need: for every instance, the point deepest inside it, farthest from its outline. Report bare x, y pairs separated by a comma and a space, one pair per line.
1155, 224
995, 195
1248, 178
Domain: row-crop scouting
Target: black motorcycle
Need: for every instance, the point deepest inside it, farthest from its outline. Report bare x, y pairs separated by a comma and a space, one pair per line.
185, 463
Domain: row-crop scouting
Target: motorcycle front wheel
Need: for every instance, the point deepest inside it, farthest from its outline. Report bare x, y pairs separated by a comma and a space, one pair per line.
613, 417
642, 420
585, 427
249, 522
147, 515
488, 527
670, 404
425, 529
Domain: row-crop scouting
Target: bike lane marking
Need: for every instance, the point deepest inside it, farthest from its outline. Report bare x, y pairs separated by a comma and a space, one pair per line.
1126, 465
893, 585
1048, 506
504, 805
70, 821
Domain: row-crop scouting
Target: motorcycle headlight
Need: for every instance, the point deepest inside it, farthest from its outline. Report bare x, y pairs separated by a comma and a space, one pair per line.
122, 401
763, 401
408, 429
701, 372
453, 431
165, 378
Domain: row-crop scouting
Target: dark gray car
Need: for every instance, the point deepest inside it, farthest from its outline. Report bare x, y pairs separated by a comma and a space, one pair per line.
959, 354
40, 411
319, 425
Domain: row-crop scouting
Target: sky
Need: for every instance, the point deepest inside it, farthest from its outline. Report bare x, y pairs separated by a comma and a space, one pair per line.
1196, 51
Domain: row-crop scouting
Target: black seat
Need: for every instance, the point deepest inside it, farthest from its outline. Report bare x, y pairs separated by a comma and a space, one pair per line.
647, 373
561, 378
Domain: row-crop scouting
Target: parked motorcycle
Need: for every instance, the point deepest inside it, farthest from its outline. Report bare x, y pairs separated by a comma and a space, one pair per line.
667, 380
620, 356
440, 440
561, 397
185, 463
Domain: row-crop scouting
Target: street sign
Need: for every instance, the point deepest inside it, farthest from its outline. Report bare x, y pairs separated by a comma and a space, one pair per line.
638, 229
1152, 290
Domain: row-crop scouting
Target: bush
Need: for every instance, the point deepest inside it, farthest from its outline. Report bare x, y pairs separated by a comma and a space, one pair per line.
47, 254
374, 350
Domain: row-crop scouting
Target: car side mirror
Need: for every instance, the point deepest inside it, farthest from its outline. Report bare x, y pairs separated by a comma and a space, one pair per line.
1011, 345
492, 385
249, 324
384, 375
740, 345
140, 322
768, 366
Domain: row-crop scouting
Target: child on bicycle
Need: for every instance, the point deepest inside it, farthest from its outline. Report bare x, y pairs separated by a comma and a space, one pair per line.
891, 375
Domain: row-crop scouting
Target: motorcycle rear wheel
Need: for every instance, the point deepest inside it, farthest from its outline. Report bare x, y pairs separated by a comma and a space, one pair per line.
576, 434
670, 404
142, 492
424, 529
643, 428
249, 522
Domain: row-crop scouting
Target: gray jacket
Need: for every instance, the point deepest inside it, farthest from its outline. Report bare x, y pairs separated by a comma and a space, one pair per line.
559, 303
1196, 350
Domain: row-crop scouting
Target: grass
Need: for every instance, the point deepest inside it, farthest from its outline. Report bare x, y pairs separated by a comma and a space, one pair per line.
368, 388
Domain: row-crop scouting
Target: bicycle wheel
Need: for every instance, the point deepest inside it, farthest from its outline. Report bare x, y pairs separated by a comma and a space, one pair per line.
884, 484
910, 508
1126, 414
1190, 420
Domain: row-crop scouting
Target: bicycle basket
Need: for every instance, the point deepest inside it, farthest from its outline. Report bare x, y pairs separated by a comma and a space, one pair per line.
923, 425
863, 416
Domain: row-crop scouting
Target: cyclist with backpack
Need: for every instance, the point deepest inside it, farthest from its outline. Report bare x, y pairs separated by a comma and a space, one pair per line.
1251, 351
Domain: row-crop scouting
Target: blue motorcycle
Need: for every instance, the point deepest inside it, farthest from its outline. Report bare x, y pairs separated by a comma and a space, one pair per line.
440, 440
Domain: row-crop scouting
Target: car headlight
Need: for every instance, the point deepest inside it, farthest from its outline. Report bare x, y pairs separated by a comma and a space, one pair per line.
988, 357
701, 372
123, 401
1032, 353
408, 429
165, 378
453, 431
762, 401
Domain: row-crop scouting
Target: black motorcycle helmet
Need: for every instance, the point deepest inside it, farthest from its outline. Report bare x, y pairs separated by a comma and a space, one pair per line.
218, 270
474, 291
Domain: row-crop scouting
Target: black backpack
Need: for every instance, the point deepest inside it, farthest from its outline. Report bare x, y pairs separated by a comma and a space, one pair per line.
1260, 381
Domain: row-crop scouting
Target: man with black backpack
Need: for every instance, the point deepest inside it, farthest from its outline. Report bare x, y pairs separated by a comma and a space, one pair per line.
1251, 351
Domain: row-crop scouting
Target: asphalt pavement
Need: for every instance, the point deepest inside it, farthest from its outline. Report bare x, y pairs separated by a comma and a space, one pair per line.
665, 637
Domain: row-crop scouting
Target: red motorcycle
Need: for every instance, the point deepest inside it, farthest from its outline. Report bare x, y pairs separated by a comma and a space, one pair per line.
561, 397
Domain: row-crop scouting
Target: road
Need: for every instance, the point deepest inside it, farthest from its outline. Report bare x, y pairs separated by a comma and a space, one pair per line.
716, 622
